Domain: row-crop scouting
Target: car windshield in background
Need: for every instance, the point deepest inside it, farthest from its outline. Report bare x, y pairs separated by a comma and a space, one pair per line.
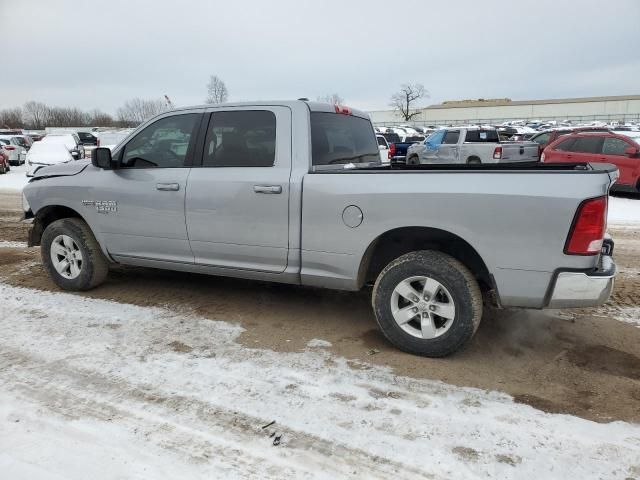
341, 139
414, 139
392, 137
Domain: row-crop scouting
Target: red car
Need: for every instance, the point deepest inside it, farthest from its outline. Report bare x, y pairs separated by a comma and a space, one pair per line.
4, 163
621, 150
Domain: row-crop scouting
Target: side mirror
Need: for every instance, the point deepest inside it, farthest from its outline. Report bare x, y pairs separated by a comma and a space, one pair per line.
631, 152
101, 158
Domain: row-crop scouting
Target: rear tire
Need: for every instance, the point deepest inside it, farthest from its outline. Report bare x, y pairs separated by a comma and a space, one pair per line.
77, 262
413, 160
449, 289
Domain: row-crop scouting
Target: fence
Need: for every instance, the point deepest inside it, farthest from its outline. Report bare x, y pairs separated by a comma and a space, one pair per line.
619, 118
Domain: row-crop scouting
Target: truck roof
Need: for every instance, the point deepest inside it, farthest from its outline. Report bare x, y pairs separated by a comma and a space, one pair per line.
313, 106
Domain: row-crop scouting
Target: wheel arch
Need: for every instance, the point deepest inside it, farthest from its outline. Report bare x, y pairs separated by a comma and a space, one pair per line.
398, 241
46, 216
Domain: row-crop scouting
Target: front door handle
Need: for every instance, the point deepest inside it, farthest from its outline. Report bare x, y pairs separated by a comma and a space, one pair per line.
267, 188
168, 187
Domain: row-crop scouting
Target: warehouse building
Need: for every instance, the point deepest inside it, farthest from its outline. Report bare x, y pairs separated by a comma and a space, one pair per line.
623, 109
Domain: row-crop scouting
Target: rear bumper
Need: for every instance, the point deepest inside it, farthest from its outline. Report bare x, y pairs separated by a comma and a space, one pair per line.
584, 289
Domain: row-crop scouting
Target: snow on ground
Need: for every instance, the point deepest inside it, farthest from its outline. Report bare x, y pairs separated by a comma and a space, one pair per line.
14, 180
624, 211
6, 244
97, 389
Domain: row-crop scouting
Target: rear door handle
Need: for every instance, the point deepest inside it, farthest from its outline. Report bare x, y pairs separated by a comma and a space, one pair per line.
267, 188
168, 187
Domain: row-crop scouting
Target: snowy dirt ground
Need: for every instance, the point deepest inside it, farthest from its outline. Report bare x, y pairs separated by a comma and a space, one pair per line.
97, 389
181, 378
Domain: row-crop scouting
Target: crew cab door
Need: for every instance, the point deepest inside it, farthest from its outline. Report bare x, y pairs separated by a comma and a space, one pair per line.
139, 207
237, 203
448, 151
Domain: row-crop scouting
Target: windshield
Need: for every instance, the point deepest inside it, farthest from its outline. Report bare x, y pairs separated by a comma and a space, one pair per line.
341, 139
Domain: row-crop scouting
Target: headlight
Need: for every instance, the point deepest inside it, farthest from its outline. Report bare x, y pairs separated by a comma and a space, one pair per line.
25, 203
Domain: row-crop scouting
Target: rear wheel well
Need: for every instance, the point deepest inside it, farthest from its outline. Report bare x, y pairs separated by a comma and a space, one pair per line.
45, 217
395, 243
473, 159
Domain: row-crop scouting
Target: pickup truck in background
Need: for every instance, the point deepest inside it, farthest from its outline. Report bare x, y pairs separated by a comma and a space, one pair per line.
294, 192
470, 145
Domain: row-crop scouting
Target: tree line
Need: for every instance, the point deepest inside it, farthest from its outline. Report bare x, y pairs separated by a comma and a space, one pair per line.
38, 115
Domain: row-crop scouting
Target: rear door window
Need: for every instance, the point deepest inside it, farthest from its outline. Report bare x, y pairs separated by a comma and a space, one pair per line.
614, 146
341, 139
243, 138
587, 145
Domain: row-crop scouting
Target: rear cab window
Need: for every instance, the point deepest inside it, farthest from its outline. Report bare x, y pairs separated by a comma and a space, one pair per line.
482, 136
340, 139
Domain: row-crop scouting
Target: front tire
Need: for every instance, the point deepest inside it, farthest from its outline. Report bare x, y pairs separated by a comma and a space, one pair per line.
71, 255
427, 303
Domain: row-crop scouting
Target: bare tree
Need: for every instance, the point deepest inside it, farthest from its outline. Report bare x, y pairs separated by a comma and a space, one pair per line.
216, 90
137, 110
333, 99
35, 114
406, 99
98, 118
65, 117
11, 118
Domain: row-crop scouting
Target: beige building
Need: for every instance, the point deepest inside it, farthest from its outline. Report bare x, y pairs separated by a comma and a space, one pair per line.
621, 108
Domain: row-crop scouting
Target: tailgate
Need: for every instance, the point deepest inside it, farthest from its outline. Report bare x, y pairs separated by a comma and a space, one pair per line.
519, 152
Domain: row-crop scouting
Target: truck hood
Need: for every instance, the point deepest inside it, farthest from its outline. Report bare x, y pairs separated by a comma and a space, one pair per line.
62, 169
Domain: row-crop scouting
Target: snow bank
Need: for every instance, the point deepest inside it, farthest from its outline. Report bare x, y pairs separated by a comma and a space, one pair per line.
89, 386
14, 180
624, 211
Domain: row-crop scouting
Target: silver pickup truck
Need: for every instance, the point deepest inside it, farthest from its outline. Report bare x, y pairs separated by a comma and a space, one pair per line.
294, 192
470, 145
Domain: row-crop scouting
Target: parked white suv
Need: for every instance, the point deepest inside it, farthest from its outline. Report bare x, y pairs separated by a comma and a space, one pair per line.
12, 146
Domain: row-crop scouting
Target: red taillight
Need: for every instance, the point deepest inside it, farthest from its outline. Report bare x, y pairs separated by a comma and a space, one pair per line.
97, 142
497, 153
392, 150
9, 147
343, 110
587, 231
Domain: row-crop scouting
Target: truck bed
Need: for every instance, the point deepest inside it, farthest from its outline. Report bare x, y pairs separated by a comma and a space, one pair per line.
515, 216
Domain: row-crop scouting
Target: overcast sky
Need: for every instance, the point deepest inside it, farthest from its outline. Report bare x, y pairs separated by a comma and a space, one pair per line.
99, 54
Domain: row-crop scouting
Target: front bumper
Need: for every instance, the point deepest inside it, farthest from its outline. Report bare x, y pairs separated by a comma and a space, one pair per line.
581, 289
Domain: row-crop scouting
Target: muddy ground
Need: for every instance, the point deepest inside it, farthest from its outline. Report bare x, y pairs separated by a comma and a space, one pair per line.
582, 362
